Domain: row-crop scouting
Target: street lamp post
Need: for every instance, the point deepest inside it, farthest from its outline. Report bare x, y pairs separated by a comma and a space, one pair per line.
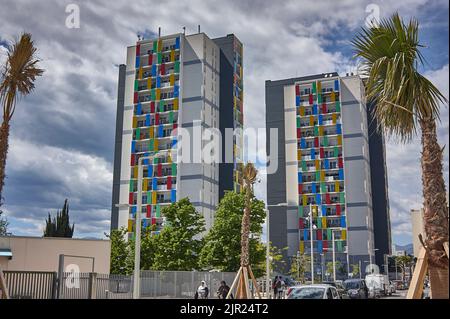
334, 256
268, 247
311, 242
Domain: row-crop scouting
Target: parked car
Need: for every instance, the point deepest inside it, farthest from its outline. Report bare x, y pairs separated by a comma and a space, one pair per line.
313, 292
339, 287
356, 288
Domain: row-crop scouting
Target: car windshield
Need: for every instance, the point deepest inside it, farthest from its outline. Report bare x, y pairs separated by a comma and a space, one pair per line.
308, 293
352, 285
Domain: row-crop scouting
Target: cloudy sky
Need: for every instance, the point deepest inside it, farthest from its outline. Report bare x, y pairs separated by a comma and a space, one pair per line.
62, 136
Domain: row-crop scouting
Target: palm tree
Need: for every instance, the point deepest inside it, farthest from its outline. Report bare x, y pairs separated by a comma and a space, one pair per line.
404, 262
17, 80
404, 102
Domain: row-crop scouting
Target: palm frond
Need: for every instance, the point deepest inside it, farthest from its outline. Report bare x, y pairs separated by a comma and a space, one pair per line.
390, 56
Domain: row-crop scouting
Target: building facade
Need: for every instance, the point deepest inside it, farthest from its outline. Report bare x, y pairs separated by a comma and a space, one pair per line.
323, 168
168, 83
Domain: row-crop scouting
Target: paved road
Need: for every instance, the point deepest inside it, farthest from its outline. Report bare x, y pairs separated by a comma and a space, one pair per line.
400, 294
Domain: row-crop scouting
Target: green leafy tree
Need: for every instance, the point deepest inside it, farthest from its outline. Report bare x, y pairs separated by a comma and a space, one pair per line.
407, 103
120, 251
222, 247
178, 245
300, 264
59, 226
3, 225
277, 260
404, 262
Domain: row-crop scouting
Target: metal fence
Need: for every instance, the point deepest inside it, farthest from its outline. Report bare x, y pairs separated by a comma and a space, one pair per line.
154, 284
181, 284
31, 284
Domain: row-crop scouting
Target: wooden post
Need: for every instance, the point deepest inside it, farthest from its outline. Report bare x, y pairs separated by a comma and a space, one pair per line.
233, 284
3, 287
254, 281
416, 286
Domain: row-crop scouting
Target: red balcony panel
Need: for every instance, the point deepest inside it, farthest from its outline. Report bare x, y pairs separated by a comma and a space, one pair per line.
153, 221
340, 162
325, 244
152, 107
135, 98
338, 210
297, 90
149, 211
132, 162
319, 234
156, 119
169, 182
175, 125
311, 99
300, 188
327, 198
130, 199
300, 223
150, 59
138, 50
299, 133
316, 142
324, 108
322, 153
159, 169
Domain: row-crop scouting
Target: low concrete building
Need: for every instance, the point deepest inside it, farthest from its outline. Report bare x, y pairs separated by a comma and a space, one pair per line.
42, 253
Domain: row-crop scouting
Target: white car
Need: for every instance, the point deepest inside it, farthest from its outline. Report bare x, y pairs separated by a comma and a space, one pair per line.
313, 292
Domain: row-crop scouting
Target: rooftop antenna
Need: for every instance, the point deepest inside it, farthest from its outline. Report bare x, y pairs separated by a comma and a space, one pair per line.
199, 28
159, 32
184, 30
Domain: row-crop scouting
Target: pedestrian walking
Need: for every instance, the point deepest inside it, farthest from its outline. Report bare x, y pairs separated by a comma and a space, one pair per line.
202, 291
223, 290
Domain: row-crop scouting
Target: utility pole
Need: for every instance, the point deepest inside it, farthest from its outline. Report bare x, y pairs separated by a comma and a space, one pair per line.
311, 242
334, 257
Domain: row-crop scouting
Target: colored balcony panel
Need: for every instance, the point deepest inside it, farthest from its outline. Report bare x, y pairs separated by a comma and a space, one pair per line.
338, 106
158, 94
302, 143
131, 186
318, 201
332, 97
304, 167
297, 100
298, 124
311, 99
326, 164
154, 70
130, 198
313, 188
174, 169
141, 73
340, 162
302, 247
300, 211
169, 182
172, 55
314, 88
329, 234
320, 119
176, 90
159, 57
327, 199
316, 131
324, 210
317, 177
323, 187
158, 81
299, 133
135, 171
319, 98
297, 90
155, 46
338, 210
173, 196
305, 200
138, 134
133, 146
325, 141
306, 234
300, 178
144, 184
152, 106
319, 246
177, 43
313, 154
319, 234
322, 152
343, 222
336, 187
317, 164
341, 174
336, 85
336, 151
158, 211
311, 120
319, 86
150, 59
149, 83
342, 198
161, 105
339, 140
343, 234
135, 97
322, 176
316, 142
150, 171
175, 104
315, 109
138, 62
324, 222
151, 145
159, 170
171, 117
172, 80
177, 67
302, 110
338, 128
162, 69
149, 211
319, 225
136, 85
339, 246
324, 108
147, 119
160, 130
325, 244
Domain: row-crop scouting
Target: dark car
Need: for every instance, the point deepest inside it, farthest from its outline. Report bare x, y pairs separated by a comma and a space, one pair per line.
339, 287
356, 288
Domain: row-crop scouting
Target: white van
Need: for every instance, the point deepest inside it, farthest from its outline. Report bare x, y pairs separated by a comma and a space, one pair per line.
378, 284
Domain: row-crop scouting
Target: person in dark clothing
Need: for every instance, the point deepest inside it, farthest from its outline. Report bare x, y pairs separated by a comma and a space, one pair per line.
223, 290
275, 287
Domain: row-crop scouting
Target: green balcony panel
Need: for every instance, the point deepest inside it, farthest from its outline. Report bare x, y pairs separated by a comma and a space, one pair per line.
159, 57
325, 141
153, 94
136, 85
171, 117
304, 168
314, 88
338, 106
317, 176
342, 198
149, 196
300, 211
298, 122
316, 131
138, 134
323, 188
161, 106
155, 160
158, 211
177, 67
329, 234
131, 186
336, 151
155, 46
319, 223
319, 98
174, 169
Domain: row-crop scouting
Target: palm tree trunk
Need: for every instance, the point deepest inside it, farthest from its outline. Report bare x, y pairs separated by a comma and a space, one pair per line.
245, 258
435, 209
4, 135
